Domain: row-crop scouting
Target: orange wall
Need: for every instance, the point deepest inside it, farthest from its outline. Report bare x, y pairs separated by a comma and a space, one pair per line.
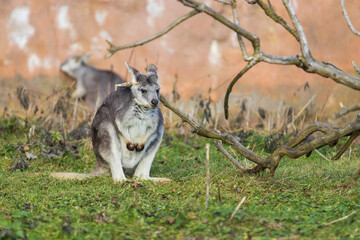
38, 35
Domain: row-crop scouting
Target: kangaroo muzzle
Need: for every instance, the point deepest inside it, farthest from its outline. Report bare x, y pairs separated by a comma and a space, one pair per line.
154, 103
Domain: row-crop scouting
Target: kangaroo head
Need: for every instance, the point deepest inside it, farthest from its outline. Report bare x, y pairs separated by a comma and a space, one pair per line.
72, 64
145, 88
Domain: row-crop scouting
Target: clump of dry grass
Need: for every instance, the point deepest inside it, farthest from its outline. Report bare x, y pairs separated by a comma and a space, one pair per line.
54, 110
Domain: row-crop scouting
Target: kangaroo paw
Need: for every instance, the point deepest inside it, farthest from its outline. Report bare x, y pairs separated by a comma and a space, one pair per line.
130, 146
139, 147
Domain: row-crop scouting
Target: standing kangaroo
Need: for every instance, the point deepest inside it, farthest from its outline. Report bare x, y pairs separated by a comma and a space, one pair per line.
127, 129
91, 83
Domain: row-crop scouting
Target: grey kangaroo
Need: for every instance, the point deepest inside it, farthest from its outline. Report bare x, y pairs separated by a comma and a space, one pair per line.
91, 83
127, 129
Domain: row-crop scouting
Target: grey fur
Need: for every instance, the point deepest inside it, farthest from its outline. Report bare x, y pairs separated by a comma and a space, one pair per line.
128, 128
91, 83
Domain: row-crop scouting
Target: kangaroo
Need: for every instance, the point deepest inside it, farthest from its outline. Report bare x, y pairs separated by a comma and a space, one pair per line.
91, 83
127, 129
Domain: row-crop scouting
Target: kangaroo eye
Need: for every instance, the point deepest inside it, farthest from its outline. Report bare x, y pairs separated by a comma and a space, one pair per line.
143, 90
158, 90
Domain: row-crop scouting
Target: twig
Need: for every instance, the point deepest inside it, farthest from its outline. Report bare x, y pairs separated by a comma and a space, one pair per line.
237, 208
357, 69
135, 187
299, 29
218, 144
241, 42
125, 84
269, 11
346, 110
255, 41
340, 219
223, 2
321, 155
74, 113
252, 2
303, 108
207, 175
113, 49
237, 77
346, 145
351, 26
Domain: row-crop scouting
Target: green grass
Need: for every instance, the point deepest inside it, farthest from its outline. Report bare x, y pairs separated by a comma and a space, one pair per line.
304, 195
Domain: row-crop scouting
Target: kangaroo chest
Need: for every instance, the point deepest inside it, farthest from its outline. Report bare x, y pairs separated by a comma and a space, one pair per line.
137, 126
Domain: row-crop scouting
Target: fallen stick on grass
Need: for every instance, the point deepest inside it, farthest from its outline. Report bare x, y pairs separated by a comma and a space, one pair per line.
237, 208
340, 219
207, 174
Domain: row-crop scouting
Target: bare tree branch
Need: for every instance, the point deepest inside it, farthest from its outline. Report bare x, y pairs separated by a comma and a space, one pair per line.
346, 110
347, 145
357, 69
351, 26
305, 61
255, 41
272, 14
241, 42
293, 149
219, 145
251, 2
299, 29
282, 60
237, 77
315, 127
329, 138
310, 65
113, 49
223, 2
225, 137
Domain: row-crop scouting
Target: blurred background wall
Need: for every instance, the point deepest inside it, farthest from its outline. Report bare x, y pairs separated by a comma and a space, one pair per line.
36, 36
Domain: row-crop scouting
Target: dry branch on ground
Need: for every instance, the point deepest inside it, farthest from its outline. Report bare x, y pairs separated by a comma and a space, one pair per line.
295, 148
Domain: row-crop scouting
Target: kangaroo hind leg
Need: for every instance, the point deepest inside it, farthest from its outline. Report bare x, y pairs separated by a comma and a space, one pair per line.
109, 149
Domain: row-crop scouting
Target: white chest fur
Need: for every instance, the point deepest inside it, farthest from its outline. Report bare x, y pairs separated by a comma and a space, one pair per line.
136, 127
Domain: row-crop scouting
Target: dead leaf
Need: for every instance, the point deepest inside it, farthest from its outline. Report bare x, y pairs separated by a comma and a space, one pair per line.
26, 148
170, 220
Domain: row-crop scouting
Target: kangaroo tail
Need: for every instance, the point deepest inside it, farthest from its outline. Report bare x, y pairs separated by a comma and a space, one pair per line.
99, 170
68, 175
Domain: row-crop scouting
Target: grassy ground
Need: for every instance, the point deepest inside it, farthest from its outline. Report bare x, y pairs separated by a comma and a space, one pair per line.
297, 203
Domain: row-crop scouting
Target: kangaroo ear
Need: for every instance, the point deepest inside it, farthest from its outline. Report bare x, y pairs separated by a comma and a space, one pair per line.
152, 70
133, 73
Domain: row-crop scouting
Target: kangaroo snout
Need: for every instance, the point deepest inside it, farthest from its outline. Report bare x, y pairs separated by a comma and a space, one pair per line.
154, 102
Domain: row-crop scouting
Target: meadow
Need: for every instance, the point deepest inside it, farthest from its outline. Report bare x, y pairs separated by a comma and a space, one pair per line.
308, 198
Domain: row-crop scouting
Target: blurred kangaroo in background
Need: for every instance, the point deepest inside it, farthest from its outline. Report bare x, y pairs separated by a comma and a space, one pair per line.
91, 83
127, 129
